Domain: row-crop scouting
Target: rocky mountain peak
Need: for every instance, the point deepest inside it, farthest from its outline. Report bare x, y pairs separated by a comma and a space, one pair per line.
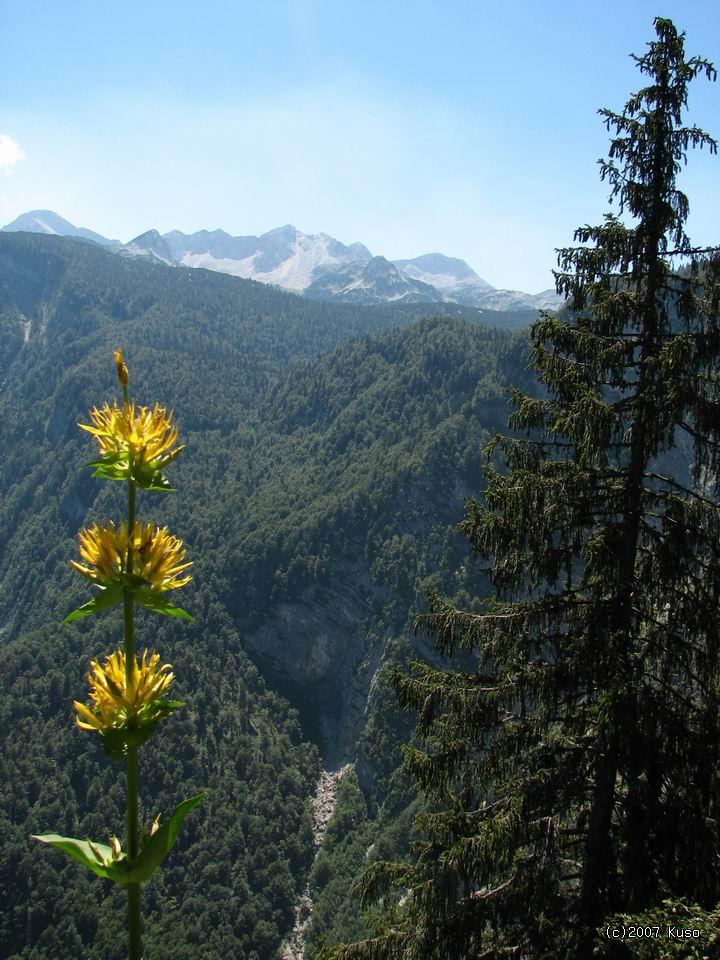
47, 221
151, 245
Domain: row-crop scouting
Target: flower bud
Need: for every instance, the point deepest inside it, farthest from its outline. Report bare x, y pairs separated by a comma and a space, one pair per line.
96, 852
115, 848
121, 367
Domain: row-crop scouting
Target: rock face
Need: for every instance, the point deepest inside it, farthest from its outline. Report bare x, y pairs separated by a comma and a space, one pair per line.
314, 650
458, 283
216, 243
517, 300
377, 281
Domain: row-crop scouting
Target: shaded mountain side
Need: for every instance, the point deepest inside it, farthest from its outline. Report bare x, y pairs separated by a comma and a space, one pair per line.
348, 500
215, 344
317, 495
372, 281
150, 244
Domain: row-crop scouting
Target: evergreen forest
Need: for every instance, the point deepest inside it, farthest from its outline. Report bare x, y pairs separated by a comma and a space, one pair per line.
520, 708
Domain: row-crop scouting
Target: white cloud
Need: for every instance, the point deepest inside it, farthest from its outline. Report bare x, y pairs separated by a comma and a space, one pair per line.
10, 153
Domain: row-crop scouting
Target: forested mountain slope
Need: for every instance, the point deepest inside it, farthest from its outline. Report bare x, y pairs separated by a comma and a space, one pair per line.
328, 452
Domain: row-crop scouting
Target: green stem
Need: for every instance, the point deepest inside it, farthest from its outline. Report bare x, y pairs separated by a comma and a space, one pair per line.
134, 937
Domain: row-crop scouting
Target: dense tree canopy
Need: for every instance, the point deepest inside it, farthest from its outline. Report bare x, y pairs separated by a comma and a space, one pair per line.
575, 770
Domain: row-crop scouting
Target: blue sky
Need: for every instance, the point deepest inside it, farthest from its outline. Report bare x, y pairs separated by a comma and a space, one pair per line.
469, 128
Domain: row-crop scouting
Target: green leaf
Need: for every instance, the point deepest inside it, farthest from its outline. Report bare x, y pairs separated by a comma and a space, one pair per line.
159, 486
167, 706
153, 480
134, 580
84, 851
113, 466
116, 466
117, 742
109, 458
152, 600
98, 856
162, 841
107, 598
111, 473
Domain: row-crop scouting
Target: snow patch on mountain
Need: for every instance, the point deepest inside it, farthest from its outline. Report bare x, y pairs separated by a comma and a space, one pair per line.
285, 257
449, 275
45, 226
206, 261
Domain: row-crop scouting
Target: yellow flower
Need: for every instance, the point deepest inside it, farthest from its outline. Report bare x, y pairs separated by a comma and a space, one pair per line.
147, 436
157, 557
117, 704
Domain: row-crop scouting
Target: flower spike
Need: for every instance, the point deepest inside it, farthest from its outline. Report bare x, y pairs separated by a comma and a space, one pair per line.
131, 564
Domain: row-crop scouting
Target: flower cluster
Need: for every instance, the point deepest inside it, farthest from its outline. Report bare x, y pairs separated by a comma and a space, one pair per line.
157, 557
118, 701
137, 436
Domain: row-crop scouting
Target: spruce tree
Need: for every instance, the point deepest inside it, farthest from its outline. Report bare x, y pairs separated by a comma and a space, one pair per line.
575, 770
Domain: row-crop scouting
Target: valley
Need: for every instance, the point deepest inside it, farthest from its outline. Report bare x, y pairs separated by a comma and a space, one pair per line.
329, 448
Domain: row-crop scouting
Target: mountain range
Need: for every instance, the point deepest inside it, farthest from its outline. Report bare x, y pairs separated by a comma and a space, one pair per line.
314, 265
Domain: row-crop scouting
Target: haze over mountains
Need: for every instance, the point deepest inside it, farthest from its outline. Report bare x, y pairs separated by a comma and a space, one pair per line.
314, 265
